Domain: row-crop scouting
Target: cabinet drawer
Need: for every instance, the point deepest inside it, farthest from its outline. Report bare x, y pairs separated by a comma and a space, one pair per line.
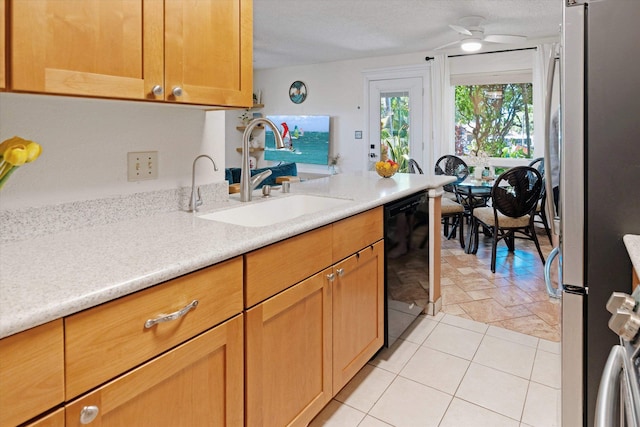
107, 340
354, 233
198, 383
274, 268
54, 419
31, 373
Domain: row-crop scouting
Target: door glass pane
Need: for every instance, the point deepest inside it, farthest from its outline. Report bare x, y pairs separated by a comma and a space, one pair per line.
395, 128
494, 120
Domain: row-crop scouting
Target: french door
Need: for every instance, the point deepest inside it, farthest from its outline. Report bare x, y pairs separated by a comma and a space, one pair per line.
396, 120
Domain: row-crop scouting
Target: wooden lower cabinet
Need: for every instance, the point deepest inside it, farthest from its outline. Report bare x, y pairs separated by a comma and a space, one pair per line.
54, 419
288, 355
199, 383
358, 312
31, 373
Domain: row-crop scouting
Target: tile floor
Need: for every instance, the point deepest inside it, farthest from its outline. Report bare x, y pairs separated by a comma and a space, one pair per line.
490, 358
514, 297
448, 371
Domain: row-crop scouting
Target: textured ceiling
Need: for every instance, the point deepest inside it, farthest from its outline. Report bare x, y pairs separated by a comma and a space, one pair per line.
302, 32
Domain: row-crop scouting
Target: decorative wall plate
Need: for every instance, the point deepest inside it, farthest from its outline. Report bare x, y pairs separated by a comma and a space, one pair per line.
298, 92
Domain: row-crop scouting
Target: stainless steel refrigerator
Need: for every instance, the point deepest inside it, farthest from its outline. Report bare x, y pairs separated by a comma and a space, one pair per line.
599, 185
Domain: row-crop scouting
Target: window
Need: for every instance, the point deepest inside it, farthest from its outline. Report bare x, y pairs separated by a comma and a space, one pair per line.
495, 120
394, 128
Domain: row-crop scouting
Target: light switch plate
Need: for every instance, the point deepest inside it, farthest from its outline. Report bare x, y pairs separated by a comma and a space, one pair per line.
142, 165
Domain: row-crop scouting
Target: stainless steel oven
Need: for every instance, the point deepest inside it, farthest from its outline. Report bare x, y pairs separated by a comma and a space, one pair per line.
406, 266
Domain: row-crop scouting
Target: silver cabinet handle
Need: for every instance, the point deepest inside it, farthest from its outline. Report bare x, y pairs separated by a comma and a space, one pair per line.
173, 316
331, 276
88, 414
177, 91
340, 272
157, 90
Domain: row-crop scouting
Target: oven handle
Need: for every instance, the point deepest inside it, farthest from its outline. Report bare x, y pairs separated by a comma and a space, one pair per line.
609, 389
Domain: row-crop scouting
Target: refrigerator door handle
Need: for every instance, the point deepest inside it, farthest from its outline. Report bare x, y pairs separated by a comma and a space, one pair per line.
550, 205
609, 390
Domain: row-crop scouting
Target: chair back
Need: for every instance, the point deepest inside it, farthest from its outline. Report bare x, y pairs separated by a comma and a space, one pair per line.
453, 166
516, 192
414, 167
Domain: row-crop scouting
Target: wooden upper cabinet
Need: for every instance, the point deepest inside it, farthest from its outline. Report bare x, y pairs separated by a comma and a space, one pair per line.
134, 49
3, 41
208, 51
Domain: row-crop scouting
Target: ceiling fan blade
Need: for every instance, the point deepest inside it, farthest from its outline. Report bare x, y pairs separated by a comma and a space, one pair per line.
460, 29
447, 45
504, 38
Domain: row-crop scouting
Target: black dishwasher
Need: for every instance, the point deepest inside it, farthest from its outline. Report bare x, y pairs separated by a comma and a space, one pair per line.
406, 266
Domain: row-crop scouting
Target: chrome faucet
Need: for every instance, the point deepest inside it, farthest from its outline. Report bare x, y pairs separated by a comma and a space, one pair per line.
196, 199
247, 182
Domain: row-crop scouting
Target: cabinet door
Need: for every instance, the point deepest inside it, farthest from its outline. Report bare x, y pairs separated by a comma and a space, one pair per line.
31, 373
358, 312
199, 383
208, 51
110, 48
288, 355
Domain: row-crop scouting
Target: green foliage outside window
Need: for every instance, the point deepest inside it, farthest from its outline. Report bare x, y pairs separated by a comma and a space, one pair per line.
394, 129
496, 119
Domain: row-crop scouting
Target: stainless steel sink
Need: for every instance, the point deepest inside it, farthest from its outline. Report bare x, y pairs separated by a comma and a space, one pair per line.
273, 211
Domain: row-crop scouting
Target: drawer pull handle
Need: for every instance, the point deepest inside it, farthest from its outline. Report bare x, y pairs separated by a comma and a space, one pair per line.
331, 276
88, 414
340, 272
173, 316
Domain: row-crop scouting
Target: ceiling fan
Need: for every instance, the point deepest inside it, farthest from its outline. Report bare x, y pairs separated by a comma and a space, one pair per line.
471, 29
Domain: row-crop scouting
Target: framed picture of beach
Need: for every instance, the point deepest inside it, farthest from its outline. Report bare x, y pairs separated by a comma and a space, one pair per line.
306, 139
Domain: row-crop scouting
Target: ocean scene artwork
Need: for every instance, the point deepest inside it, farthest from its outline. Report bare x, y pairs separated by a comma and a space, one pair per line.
306, 139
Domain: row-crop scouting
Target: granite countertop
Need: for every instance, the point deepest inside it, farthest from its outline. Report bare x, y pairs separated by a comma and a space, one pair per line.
632, 242
55, 275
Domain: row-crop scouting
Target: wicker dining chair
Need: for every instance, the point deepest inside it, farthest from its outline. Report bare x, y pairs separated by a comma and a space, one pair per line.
453, 166
452, 213
540, 216
514, 197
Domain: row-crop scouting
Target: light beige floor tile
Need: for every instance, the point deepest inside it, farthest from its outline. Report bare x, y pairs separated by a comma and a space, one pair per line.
439, 370
509, 335
494, 390
404, 404
335, 414
471, 325
419, 330
394, 358
506, 356
550, 346
365, 388
461, 414
369, 421
547, 369
541, 407
453, 340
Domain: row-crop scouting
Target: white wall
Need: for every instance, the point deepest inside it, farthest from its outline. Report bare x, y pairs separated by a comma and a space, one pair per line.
335, 89
85, 144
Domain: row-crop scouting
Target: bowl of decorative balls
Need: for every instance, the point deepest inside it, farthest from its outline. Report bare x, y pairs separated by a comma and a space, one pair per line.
386, 169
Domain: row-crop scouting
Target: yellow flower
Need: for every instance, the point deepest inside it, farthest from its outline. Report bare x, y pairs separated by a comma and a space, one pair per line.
16, 155
33, 151
15, 152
